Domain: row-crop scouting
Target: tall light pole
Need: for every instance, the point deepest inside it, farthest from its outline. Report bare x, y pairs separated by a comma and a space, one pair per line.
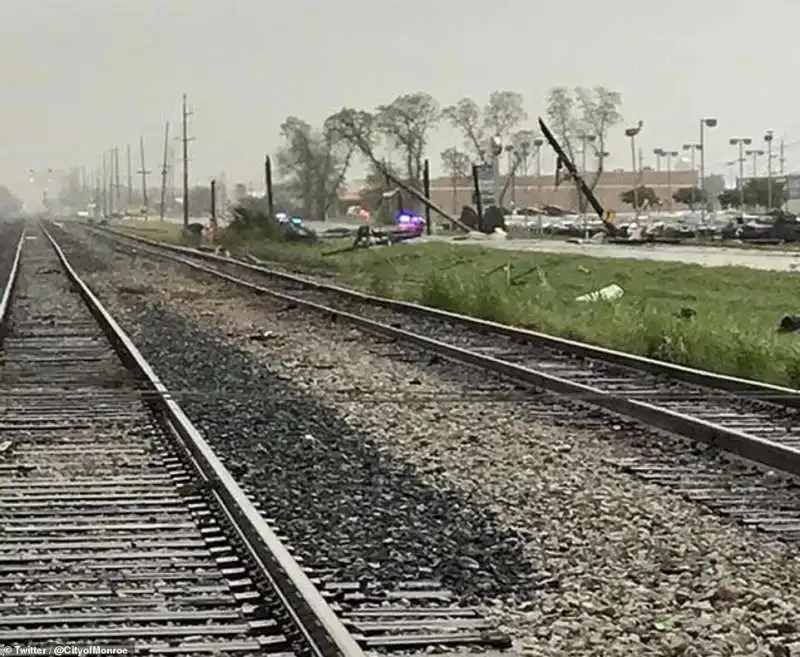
537, 144
693, 150
708, 122
631, 133
669, 155
584, 139
741, 142
768, 135
755, 153
659, 153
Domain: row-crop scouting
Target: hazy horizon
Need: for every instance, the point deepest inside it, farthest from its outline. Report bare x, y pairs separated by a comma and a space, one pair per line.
84, 77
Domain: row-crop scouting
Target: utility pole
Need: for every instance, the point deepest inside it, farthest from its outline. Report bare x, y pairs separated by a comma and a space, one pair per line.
214, 204
130, 180
171, 184
97, 191
164, 170
185, 139
143, 172
116, 179
109, 184
268, 185
103, 188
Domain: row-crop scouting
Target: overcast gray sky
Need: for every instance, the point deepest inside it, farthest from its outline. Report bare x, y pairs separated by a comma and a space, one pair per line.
81, 76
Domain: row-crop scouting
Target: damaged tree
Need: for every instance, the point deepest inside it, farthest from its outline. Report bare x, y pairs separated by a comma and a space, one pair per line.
403, 124
315, 164
504, 111
581, 119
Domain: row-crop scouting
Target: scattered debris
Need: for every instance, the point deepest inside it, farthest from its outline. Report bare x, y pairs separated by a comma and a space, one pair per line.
607, 293
134, 289
685, 313
262, 337
583, 270
789, 324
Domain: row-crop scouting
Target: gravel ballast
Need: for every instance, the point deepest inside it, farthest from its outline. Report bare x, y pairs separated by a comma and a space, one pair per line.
373, 460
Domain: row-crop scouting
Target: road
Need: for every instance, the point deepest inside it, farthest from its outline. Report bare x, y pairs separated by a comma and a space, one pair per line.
708, 256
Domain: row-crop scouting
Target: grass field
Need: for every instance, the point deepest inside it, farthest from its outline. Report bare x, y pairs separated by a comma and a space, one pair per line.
733, 330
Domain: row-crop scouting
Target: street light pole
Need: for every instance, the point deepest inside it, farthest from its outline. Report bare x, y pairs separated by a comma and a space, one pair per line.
693, 149
755, 153
585, 139
659, 153
741, 142
704, 123
631, 133
538, 143
768, 135
670, 155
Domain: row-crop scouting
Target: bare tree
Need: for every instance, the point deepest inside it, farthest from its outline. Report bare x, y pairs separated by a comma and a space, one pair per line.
405, 125
504, 111
315, 163
584, 117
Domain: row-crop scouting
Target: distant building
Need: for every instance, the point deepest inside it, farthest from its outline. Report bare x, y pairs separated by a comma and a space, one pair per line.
537, 191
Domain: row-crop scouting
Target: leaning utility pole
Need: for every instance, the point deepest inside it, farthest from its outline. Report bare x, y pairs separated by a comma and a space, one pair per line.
186, 139
143, 173
164, 171
130, 180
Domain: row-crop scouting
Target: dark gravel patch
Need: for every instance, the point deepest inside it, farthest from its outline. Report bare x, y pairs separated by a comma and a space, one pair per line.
343, 503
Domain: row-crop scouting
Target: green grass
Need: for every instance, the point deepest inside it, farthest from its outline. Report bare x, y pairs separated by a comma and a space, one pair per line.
733, 332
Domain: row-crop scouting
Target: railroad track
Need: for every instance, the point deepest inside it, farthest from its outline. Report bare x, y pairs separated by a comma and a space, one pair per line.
120, 527
758, 422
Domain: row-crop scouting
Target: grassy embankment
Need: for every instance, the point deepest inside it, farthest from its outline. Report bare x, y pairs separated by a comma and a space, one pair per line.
733, 332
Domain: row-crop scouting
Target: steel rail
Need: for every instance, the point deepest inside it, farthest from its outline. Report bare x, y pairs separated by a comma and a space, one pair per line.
324, 632
766, 392
10, 284
753, 448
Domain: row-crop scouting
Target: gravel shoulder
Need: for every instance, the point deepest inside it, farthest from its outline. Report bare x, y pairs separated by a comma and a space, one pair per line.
374, 445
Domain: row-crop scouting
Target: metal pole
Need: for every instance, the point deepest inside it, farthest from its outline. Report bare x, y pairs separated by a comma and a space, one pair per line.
164, 172
130, 179
539, 182
768, 139
268, 183
426, 185
185, 140
741, 176
117, 184
103, 187
143, 172
703, 198
635, 181
669, 179
214, 203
